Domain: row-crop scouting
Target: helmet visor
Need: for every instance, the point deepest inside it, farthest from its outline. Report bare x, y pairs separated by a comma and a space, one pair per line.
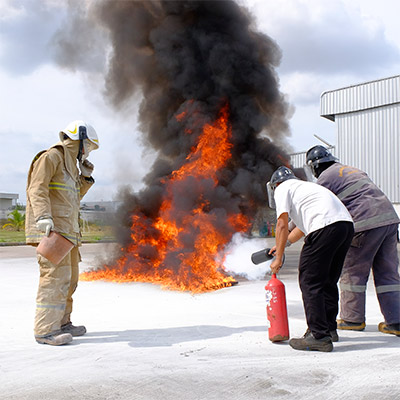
270, 193
88, 146
309, 172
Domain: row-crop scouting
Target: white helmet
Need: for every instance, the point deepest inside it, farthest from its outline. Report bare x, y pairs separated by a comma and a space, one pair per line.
81, 130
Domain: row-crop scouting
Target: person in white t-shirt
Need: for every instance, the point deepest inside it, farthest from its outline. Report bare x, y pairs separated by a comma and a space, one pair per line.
328, 229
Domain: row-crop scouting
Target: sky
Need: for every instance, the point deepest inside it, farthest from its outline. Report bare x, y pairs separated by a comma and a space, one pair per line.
325, 46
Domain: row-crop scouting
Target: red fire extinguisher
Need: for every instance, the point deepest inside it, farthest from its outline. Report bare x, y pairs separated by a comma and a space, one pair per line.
276, 310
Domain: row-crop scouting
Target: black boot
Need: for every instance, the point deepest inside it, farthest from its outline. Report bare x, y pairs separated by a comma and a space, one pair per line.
309, 342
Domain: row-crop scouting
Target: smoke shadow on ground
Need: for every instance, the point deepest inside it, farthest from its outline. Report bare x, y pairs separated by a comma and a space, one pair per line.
167, 336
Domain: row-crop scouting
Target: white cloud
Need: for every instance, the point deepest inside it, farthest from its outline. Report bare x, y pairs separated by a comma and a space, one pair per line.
325, 37
35, 107
326, 46
25, 32
302, 88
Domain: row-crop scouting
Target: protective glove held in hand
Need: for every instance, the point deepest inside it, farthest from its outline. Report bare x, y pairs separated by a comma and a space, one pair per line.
45, 225
86, 168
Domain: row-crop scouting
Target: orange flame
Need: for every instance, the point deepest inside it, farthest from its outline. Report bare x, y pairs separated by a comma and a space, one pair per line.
180, 116
179, 249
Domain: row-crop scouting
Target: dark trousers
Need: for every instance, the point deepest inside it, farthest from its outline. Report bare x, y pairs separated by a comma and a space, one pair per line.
321, 263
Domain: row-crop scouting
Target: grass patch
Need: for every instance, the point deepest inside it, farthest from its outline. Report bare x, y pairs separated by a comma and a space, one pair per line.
95, 233
11, 236
92, 234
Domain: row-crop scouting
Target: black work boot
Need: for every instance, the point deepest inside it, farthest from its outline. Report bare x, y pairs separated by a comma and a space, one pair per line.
393, 329
309, 342
73, 330
334, 336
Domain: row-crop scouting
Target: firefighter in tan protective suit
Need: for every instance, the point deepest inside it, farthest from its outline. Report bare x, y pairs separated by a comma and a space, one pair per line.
54, 190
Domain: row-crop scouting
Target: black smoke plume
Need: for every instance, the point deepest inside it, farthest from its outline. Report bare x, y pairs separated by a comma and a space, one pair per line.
196, 57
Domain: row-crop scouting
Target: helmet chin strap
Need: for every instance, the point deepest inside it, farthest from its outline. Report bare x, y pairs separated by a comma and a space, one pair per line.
82, 137
318, 169
79, 156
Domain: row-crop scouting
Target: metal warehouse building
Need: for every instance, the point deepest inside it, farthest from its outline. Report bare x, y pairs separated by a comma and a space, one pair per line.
367, 118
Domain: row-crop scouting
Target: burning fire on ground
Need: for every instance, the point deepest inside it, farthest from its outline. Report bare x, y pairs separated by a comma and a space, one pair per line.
211, 111
169, 238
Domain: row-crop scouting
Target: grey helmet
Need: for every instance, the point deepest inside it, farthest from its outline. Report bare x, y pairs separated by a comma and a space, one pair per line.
280, 175
318, 155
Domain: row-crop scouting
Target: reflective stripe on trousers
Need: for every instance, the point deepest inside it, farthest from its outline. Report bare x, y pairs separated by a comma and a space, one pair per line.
352, 288
362, 288
54, 306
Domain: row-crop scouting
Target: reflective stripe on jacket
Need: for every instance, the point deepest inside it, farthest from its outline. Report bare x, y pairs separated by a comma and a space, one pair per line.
367, 204
54, 189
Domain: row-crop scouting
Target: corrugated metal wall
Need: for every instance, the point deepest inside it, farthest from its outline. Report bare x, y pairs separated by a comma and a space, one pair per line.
297, 160
370, 140
368, 129
360, 97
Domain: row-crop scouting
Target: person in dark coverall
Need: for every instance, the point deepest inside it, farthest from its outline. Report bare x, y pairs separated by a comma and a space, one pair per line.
374, 245
318, 214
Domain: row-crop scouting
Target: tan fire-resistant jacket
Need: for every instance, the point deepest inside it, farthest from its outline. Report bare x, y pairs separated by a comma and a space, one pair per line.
54, 189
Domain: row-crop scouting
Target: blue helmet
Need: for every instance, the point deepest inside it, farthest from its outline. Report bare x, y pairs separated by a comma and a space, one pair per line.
280, 175
319, 155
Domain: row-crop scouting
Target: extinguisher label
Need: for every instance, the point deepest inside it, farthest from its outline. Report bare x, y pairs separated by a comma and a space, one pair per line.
271, 296
268, 297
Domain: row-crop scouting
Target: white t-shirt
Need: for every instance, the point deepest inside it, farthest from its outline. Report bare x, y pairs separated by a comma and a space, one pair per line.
309, 205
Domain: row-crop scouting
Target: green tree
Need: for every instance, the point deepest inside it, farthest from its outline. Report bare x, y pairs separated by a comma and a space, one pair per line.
16, 220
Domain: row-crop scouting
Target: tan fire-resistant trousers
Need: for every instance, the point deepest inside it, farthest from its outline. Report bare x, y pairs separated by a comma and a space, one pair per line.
57, 284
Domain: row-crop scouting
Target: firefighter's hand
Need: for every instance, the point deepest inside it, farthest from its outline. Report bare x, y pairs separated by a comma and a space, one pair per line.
86, 168
276, 265
45, 225
272, 251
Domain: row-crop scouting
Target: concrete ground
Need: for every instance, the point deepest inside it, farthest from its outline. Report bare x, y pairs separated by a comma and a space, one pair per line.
147, 343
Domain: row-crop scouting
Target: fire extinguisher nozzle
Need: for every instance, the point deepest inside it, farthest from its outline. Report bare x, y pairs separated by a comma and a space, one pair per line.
261, 256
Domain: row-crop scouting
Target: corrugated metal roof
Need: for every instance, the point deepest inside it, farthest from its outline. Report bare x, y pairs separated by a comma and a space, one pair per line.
364, 96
